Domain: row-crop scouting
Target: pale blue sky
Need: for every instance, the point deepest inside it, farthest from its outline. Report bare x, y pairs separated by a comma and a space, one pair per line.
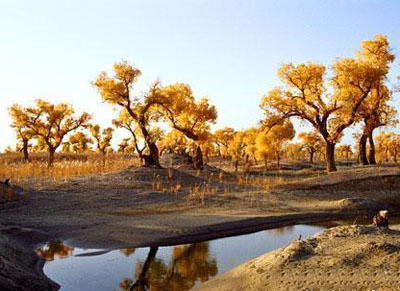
227, 50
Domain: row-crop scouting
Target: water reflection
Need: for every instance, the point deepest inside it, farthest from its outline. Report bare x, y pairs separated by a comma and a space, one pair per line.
188, 264
282, 230
179, 267
127, 252
54, 250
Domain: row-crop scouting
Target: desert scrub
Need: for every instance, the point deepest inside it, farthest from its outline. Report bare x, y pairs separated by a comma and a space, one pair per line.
201, 191
34, 173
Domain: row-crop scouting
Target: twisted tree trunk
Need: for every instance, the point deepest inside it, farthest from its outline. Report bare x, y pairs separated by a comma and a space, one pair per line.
371, 154
25, 150
362, 145
153, 158
198, 159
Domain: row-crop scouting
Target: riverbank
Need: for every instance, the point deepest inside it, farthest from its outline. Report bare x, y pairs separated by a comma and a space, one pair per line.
341, 258
22, 265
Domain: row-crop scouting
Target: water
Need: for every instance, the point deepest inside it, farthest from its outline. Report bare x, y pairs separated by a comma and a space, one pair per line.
173, 268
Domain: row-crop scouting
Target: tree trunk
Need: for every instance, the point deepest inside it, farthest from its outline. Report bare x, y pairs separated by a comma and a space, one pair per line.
198, 159
311, 157
266, 164
25, 150
51, 158
330, 157
153, 158
140, 284
371, 154
236, 165
255, 160
362, 145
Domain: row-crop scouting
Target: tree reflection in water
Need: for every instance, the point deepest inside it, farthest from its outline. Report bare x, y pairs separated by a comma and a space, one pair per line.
127, 252
188, 264
55, 249
282, 230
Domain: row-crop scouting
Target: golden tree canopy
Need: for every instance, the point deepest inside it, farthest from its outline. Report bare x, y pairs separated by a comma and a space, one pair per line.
311, 141
174, 141
19, 122
52, 122
273, 141
102, 137
78, 142
307, 97
185, 114
116, 89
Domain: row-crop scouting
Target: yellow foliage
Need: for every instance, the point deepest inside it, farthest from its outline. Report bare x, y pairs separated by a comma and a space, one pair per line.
272, 142
186, 115
174, 141
49, 122
78, 142
102, 137
222, 138
388, 145
329, 110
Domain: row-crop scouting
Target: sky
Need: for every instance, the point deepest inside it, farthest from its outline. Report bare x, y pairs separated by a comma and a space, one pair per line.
228, 50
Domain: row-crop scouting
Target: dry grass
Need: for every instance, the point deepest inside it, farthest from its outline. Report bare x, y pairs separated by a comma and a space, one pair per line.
265, 182
202, 187
200, 192
34, 173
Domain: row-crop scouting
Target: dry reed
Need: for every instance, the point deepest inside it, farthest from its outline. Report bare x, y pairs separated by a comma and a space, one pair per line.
66, 166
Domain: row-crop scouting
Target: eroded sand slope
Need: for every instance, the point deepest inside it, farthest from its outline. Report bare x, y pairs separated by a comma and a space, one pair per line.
341, 258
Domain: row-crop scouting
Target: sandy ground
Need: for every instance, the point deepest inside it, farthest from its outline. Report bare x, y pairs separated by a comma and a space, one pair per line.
341, 258
145, 206
20, 268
